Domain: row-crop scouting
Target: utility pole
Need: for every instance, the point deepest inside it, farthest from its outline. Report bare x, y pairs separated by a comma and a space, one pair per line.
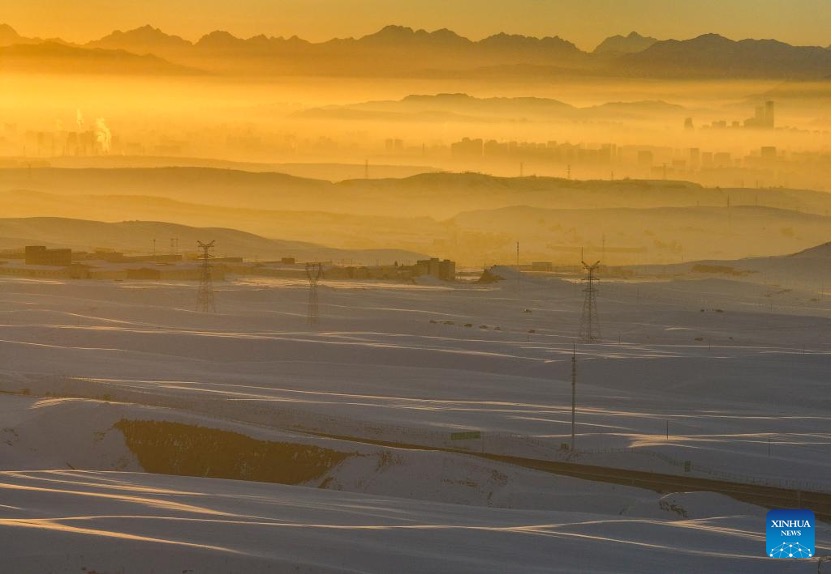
574, 380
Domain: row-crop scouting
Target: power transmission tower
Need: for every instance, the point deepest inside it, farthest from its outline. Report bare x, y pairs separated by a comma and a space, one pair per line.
518, 256
314, 271
205, 297
590, 326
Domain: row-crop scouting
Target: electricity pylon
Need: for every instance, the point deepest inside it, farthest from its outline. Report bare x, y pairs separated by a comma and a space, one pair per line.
205, 297
590, 331
314, 271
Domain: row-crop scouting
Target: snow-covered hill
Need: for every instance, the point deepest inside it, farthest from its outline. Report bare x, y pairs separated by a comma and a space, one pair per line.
687, 371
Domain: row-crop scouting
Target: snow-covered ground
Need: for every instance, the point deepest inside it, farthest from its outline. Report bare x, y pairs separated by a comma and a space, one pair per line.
76, 521
730, 375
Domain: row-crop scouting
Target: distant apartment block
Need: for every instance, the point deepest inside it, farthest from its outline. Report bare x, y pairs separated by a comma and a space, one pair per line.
763, 116
768, 153
40, 255
467, 148
645, 158
444, 270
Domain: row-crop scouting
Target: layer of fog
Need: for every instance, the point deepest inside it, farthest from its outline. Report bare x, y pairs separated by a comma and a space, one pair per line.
264, 121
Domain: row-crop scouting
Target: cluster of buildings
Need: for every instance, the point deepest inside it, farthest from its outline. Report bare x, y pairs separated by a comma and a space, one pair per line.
640, 161
766, 166
628, 160
38, 261
552, 151
763, 119
82, 142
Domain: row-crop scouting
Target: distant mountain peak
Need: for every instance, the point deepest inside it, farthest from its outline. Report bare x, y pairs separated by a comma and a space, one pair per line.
505, 37
147, 28
392, 31
219, 38
441, 96
446, 35
145, 37
56, 57
146, 31
6, 29
630, 44
711, 36
8, 35
396, 33
396, 29
712, 55
514, 42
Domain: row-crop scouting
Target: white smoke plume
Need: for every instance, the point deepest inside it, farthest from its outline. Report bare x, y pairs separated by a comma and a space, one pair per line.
102, 135
79, 119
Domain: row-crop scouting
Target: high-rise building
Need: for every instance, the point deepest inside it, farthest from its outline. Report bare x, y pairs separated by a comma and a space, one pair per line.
768, 114
763, 116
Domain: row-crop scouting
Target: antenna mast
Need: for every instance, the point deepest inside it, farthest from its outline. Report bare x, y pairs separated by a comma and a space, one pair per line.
205, 297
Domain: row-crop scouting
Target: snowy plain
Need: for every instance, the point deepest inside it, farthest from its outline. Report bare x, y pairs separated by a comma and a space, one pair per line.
730, 374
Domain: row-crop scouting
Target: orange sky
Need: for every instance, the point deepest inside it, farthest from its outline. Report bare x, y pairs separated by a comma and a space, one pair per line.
584, 22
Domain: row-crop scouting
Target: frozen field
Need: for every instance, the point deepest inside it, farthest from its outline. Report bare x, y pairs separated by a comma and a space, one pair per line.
728, 374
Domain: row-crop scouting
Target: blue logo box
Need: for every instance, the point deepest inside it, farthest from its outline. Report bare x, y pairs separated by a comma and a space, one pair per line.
790, 534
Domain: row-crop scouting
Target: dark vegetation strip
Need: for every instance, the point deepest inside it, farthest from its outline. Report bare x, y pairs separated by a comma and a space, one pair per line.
188, 450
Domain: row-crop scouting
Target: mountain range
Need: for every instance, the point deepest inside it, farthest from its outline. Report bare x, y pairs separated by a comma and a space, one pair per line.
630, 44
397, 51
